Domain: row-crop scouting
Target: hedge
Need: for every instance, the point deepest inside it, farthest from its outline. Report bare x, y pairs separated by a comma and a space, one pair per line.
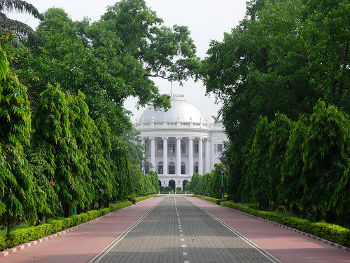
333, 233
210, 199
141, 198
26, 235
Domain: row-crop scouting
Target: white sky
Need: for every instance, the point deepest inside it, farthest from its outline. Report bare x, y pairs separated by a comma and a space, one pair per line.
206, 19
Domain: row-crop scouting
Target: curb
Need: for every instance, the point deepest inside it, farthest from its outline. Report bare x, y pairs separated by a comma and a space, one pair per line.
296, 231
32, 243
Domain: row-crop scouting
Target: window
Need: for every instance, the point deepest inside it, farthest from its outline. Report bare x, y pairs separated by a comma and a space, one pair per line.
183, 168
160, 168
218, 149
196, 147
160, 147
196, 168
171, 147
183, 147
171, 168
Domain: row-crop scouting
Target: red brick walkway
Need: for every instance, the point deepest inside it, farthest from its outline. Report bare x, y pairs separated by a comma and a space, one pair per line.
82, 244
284, 244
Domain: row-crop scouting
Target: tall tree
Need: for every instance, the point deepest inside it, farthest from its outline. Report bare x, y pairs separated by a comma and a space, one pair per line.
131, 39
101, 165
257, 180
53, 134
20, 196
326, 156
7, 25
281, 128
291, 188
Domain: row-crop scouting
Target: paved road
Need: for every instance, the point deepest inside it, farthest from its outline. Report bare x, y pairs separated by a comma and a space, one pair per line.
182, 230
176, 230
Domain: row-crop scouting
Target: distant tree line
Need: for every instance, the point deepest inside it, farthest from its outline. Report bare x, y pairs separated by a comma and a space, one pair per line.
209, 184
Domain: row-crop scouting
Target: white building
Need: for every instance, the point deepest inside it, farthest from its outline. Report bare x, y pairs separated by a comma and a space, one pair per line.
179, 142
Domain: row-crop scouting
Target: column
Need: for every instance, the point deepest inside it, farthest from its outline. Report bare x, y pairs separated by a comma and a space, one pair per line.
153, 153
178, 155
207, 156
143, 152
190, 156
165, 155
200, 156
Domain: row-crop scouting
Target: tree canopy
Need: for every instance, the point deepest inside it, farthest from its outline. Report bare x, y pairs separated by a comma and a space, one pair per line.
66, 139
284, 58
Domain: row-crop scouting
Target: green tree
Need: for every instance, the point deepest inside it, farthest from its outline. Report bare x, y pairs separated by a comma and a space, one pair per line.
81, 128
8, 25
291, 187
154, 180
133, 141
20, 196
135, 46
101, 165
325, 155
257, 180
280, 131
121, 160
53, 134
219, 177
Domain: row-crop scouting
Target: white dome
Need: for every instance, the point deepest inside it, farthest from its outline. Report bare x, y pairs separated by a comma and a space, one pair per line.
181, 111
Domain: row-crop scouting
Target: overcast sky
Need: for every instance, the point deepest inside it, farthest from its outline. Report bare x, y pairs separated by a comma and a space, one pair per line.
206, 19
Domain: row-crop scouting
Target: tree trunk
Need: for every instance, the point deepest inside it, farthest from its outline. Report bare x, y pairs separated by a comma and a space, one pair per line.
66, 210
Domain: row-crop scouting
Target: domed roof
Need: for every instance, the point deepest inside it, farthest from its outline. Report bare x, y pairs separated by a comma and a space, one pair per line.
181, 111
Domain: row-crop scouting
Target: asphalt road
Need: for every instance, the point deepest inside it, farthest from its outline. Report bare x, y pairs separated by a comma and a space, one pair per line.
176, 230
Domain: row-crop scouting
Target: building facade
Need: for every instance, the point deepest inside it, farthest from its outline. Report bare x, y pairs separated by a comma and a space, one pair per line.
179, 142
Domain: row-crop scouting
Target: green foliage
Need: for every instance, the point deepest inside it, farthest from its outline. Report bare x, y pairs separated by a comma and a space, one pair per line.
25, 235
141, 198
82, 146
291, 170
121, 159
283, 58
324, 230
100, 163
210, 199
168, 188
257, 181
54, 133
22, 30
326, 156
144, 184
209, 184
20, 196
133, 141
280, 131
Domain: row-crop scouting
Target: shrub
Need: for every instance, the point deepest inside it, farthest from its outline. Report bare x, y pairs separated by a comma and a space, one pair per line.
333, 233
141, 198
210, 199
25, 235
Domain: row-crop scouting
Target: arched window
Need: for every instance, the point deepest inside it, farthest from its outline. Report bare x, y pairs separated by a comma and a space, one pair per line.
171, 147
160, 147
196, 168
183, 147
160, 168
196, 147
171, 168
183, 168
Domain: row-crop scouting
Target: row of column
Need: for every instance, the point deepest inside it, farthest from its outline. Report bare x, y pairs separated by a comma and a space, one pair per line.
178, 155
